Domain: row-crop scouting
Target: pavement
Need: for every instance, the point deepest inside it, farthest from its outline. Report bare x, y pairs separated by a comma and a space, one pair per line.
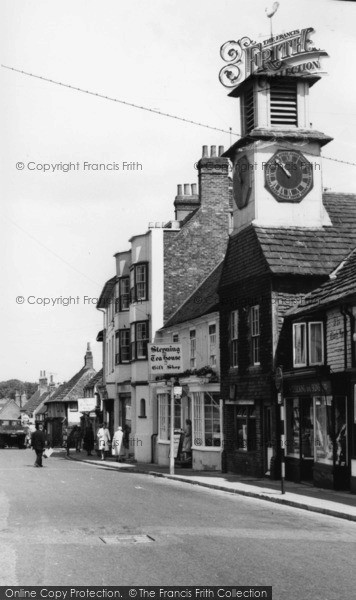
340, 504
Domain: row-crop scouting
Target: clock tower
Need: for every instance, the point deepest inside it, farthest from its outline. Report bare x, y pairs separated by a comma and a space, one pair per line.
277, 172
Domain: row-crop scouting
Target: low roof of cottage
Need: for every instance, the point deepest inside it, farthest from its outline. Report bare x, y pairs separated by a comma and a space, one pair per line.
94, 380
64, 389
340, 287
36, 399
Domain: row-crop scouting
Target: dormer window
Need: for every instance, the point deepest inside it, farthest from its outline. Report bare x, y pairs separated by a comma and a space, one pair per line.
283, 104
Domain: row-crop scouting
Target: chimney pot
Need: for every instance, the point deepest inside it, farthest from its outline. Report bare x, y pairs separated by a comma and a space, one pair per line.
186, 189
221, 150
205, 152
212, 151
194, 189
179, 190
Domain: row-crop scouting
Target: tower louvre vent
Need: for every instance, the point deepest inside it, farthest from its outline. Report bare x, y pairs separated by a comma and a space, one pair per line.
283, 103
249, 110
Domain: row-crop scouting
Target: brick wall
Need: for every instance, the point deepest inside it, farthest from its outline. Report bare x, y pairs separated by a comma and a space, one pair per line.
193, 252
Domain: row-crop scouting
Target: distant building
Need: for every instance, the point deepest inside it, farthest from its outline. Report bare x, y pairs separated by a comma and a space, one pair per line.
62, 406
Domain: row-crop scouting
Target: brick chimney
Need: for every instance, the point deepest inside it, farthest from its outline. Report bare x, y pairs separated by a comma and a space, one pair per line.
186, 200
52, 385
214, 182
18, 398
43, 383
88, 358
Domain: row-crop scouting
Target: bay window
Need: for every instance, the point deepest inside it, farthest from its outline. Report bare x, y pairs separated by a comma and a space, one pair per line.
212, 345
124, 294
193, 347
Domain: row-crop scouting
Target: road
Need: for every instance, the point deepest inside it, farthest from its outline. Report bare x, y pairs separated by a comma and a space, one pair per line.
57, 525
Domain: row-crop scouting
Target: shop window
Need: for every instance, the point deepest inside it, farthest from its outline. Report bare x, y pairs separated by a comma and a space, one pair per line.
164, 415
139, 282
255, 334
212, 345
206, 419
292, 425
323, 430
193, 348
246, 428
308, 344
341, 448
139, 340
234, 337
124, 294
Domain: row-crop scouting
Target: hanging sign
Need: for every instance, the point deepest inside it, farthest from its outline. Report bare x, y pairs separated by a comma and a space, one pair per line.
290, 53
165, 358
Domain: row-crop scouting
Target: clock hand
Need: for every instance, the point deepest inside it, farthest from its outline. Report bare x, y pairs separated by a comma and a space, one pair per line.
279, 162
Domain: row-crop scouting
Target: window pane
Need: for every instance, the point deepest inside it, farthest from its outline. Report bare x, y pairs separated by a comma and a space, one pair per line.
316, 343
299, 345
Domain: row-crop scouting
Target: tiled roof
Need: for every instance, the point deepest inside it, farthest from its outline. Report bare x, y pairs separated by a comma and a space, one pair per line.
341, 285
304, 251
94, 380
204, 300
64, 389
36, 399
297, 250
10, 410
106, 293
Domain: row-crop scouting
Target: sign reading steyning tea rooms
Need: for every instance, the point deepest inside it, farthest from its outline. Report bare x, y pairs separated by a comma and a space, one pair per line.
165, 358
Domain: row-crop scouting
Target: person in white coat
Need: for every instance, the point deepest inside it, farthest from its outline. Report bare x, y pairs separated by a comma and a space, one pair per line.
117, 443
103, 436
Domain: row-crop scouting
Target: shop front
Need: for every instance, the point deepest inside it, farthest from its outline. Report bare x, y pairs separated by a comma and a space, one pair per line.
316, 433
197, 425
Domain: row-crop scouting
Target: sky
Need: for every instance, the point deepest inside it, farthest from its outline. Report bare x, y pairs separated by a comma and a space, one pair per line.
61, 229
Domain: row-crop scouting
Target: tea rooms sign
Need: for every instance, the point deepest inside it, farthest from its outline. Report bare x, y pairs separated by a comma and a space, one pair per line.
165, 358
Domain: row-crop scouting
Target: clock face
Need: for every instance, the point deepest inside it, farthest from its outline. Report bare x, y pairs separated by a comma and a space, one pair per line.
288, 176
242, 182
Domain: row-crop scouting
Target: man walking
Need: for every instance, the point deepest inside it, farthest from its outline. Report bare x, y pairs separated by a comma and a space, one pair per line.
38, 443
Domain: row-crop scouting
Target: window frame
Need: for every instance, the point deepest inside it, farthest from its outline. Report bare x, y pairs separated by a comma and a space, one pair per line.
212, 344
312, 364
192, 348
134, 296
121, 332
134, 341
255, 334
249, 417
300, 364
234, 338
122, 294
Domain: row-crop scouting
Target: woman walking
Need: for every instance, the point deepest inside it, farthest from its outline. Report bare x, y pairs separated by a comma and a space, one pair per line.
103, 436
